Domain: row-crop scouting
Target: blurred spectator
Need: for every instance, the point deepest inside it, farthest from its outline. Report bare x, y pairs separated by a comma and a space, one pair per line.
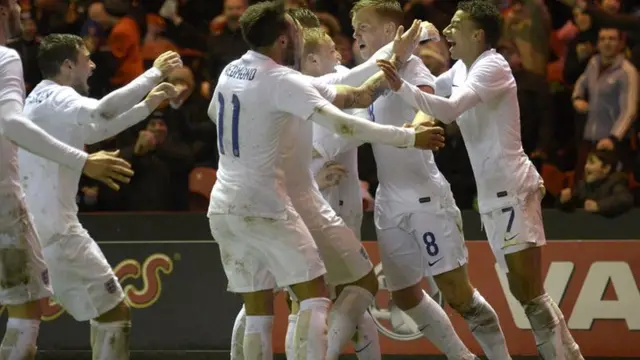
580, 48
610, 6
154, 43
435, 56
603, 191
27, 47
54, 16
158, 158
125, 41
344, 45
95, 33
625, 22
330, 24
528, 25
228, 44
607, 92
188, 115
428, 10
536, 118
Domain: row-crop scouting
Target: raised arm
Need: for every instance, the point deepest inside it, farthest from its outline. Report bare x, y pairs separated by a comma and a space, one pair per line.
399, 50
296, 95
483, 83
348, 97
99, 129
22, 131
329, 145
126, 97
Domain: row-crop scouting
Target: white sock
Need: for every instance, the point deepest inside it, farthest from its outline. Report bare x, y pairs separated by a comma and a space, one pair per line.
257, 338
572, 350
237, 336
19, 342
110, 340
436, 326
344, 317
485, 327
310, 341
550, 330
289, 339
367, 343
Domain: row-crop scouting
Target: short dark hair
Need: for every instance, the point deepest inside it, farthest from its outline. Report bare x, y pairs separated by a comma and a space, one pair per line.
386, 9
607, 157
54, 49
263, 23
305, 17
487, 17
620, 33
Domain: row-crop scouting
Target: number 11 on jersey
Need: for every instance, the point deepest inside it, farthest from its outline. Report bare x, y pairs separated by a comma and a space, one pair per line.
235, 118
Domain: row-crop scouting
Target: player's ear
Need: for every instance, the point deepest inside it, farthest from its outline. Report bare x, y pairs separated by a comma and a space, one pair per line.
478, 34
282, 40
312, 58
390, 28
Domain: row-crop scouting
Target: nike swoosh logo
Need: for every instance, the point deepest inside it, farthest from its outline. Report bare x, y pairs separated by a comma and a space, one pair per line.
433, 263
511, 238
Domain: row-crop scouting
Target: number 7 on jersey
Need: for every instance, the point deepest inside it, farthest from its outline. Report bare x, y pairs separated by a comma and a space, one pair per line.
235, 119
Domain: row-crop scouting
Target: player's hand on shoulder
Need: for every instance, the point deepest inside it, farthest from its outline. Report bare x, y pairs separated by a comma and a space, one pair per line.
330, 174
167, 62
108, 168
429, 137
390, 73
405, 42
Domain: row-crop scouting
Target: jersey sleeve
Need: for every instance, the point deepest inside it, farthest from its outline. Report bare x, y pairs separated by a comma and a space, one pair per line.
444, 83
490, 78
418, 74
329, 144
299, 96
22, 131
361, 73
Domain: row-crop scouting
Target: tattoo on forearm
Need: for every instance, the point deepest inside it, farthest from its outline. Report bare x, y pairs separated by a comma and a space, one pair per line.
366, 94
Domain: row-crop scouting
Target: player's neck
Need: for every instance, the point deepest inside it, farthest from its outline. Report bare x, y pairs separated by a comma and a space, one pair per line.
60, 80
473, 56
272, 53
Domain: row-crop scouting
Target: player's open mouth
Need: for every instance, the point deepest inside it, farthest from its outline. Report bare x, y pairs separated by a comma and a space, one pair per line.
361, 46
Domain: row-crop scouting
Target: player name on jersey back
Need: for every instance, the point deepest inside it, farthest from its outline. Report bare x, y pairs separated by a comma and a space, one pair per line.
240, 72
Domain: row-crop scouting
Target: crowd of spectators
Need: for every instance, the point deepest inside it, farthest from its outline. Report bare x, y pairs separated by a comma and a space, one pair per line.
574, 63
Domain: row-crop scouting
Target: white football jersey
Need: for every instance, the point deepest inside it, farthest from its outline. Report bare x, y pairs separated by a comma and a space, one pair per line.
9, 179
346, 197
71, 118
491, 130
409, 178
255, 106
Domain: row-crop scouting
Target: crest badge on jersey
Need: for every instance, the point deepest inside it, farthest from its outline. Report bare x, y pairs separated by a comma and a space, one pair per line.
111, 286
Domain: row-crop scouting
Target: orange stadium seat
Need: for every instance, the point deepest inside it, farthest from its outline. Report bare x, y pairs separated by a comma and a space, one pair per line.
633, 183
556, 180
201, 180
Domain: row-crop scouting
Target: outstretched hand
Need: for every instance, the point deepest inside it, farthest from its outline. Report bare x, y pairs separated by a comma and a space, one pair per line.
390, 73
